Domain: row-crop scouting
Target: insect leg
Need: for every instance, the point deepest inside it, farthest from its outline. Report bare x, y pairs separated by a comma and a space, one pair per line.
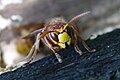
58, 57
26, 60
33, 33
83, 42
56, 54
33, 51
77, 49
87, 47
36, 32
54, 51
32, 57
30, 53
75, 45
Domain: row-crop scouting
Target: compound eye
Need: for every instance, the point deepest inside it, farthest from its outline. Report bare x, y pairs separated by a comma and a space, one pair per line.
65, 30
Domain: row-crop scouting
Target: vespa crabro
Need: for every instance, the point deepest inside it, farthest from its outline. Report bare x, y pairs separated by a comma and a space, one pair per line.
57, 34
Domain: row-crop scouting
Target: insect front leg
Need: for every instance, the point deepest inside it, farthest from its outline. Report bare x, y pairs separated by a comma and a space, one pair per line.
33, 33
87, 47
77, 49
32, 53
54, 51
76, 34
76, 46
29, 56
57, 55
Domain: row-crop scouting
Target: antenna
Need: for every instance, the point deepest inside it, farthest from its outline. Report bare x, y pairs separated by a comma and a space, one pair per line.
76, 17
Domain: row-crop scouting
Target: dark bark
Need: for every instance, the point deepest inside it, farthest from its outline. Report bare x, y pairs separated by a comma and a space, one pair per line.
104, 64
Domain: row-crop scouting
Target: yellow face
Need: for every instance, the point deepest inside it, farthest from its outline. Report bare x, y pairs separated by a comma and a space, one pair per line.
64, 40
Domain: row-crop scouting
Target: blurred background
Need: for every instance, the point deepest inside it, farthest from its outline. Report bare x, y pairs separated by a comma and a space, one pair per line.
19, 17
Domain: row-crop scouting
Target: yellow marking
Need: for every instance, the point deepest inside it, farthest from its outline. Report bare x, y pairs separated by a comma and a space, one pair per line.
63, 37
59, 30
62, 45
69, 41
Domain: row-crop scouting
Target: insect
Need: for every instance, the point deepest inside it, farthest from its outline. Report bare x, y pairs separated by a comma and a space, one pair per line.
57, 34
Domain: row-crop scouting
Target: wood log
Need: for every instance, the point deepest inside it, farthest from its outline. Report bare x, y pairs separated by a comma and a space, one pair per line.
104, 64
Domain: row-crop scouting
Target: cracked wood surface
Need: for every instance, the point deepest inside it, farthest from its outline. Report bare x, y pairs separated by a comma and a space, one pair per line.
101, 65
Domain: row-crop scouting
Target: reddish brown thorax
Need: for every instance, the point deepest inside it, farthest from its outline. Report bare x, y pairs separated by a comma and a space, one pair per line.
55, 27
